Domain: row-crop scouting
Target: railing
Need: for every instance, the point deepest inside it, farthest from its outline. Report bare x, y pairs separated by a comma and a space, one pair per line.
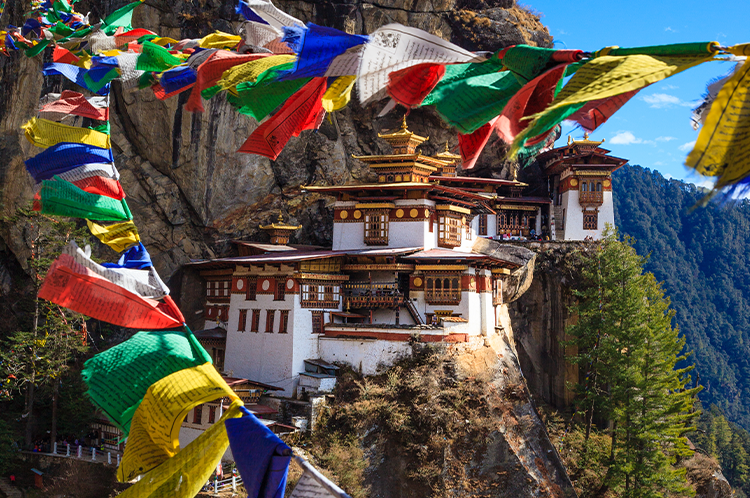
372, 295
590, 197
442, 297
81, 452
224, 485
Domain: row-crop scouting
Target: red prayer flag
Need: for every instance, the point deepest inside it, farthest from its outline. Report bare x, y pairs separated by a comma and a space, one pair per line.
597, 112
75, 103
211, 71
302, 111
471, 145
63, 55
534, 97
161, 94
410, 86
130, 36
73, 286
101, 186
567, 56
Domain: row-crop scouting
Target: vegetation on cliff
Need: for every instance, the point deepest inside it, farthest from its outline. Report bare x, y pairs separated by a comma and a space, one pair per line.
627, 352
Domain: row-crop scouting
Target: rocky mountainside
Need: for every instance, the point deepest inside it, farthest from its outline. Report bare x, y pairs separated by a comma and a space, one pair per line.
189, 191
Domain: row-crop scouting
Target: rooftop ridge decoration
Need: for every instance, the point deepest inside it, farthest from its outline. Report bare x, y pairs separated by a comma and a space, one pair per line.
403, 141
279, 231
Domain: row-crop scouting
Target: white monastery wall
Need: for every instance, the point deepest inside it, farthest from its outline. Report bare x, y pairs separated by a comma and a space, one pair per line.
606, 213
364, 355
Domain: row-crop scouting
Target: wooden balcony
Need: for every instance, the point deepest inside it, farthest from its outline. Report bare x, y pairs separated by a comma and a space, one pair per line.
590, 198
372, 295
442, 297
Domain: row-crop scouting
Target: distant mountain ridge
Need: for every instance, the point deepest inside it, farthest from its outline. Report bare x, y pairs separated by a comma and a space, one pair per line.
703, 258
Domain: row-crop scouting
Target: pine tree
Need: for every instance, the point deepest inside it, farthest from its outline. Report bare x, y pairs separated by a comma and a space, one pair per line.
629, 350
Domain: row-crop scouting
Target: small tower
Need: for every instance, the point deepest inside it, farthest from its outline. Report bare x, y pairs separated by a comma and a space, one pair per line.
280, 232
404, 164
449, 157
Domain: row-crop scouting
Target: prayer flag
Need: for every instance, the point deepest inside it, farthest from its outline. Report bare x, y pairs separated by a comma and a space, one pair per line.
65, 156
472, 144
122, 17
156, 58
179, 78
338, 94
259, 99
183, 475
271, 15
313, 483
597, 112
261, 457
119, 377
210, 71
73, 73
119, 236
301, 112
219, 40
62, 198
394, 47
75, 287
45, 133
101, 186
317, 47
247, 72
136, 257
723, 145
410, 86
105, 170
155, 428
75, 103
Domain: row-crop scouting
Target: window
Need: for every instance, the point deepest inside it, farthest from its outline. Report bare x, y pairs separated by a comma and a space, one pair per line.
198, 415
598, 186
212, 414
252, 286
502, 222
497, 290
584, 187
482, 224
449, 230
283, 321
317, 322
270, 315
590, 220
376, 227
243, 321
442, 289
467, 224
280, 292
255, 324
218, 289
314, 294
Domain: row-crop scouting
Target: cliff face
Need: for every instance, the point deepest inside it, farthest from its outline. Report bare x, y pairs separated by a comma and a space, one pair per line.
189, 191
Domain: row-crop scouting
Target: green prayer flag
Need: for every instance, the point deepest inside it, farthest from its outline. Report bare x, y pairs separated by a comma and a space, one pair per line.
60, 29
525, 62
119, 377
259, 101
62, 198
103, 127
155, 58
95, 86
122, 17
37, 49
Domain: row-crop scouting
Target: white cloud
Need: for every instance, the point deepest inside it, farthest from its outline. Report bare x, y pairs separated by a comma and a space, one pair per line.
669, 87
665, 139
658, 163
686, 147
625, 138
562, 32
670, 29
661, 100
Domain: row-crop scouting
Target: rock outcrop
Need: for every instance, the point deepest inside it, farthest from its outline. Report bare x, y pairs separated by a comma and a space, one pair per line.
190, 192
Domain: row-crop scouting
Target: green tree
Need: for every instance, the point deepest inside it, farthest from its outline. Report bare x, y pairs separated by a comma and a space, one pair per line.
628, 351
44, 351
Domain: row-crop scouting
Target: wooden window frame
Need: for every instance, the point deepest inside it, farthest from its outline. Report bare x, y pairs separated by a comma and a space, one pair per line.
284, 322
436, 292
212, 413
497, 290
242, 322
449, 229
376, 226
255, 321
270, 317
320, 294
467, 235
317, 322
591, 220
279, 293
252, 289
198, 415
482, 228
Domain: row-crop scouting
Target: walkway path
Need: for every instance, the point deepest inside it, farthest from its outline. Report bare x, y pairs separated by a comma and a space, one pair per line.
9, 490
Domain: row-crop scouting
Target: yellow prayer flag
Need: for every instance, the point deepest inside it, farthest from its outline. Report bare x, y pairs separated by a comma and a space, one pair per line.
723, 145
119, 236
742, 49
608, 76
164, 40
338, 94
183, 475
46, 133
155, 428
249, 71
219, 40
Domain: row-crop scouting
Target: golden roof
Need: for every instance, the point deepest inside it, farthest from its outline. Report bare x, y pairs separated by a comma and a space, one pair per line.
585, 141
447, 155
280, 225
403, 133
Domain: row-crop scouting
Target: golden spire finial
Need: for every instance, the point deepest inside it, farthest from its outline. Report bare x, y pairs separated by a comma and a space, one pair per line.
281, 218
447, 149
586, 135
569, 139
403, 123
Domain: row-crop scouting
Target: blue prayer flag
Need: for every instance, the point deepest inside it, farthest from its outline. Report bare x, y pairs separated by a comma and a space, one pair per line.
63, 157
316, 47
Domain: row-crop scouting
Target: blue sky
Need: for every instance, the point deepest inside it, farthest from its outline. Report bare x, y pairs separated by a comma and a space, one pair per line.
653, 129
